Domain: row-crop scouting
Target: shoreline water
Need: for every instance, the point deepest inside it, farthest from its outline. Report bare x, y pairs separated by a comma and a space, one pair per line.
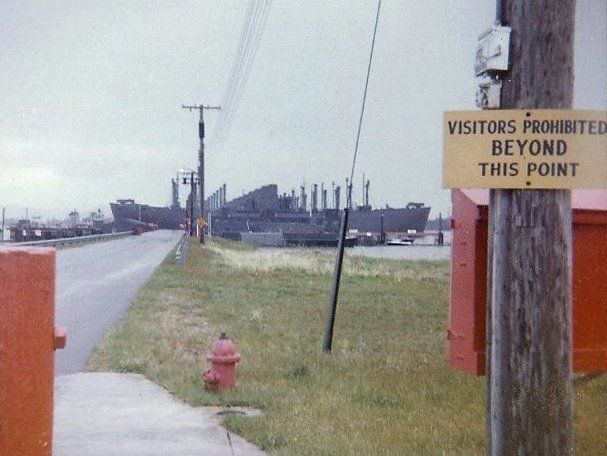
423, 248
408, 252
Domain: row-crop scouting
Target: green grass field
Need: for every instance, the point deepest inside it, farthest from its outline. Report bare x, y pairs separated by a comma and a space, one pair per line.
385, 389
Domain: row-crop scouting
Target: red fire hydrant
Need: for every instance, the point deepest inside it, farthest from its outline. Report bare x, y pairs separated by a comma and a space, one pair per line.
223, 359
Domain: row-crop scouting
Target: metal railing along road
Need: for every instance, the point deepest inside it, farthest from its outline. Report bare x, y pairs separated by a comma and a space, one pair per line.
182, 247
68, 241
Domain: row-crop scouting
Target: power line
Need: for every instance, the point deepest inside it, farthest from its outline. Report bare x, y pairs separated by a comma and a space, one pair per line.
247, 29
236, 60
245, 67
242, 57
247, 71
237, 66
252, 31
362, 110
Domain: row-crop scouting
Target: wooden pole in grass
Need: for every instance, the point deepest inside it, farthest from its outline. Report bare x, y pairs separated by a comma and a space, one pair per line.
327, 341
530, 367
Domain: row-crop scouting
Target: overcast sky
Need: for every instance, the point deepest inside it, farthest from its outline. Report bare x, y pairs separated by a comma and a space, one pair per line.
91, 94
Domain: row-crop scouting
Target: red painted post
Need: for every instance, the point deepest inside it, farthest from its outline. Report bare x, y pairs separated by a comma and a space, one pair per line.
27, 342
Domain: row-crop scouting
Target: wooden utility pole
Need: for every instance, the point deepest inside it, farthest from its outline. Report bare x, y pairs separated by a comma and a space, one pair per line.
530, 398
3, 214
192, 199
201, 108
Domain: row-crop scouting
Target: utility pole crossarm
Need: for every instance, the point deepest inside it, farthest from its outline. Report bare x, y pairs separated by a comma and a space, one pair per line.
190, 107
200, 108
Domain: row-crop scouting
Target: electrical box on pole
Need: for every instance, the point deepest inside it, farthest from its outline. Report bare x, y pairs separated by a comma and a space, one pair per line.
493, 50
488, 94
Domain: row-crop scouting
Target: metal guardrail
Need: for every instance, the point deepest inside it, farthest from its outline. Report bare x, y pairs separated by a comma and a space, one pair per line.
182, 247
68, 241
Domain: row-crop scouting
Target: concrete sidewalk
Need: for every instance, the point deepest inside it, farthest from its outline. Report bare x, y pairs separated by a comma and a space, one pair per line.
126, 414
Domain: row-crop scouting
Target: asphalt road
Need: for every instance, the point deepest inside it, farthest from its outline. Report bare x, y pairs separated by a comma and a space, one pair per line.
95, 285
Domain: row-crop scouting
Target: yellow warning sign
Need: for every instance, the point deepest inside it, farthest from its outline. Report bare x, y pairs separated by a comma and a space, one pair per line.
543, 148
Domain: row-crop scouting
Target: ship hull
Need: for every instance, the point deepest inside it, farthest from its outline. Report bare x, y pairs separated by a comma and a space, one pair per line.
264, 211
130, 214
396, 220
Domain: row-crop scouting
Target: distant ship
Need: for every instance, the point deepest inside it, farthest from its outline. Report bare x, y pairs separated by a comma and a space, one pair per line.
410, 219
264, 210
128, 215
400, 241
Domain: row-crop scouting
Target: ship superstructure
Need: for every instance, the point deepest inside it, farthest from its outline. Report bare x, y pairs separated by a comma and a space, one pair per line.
264, 210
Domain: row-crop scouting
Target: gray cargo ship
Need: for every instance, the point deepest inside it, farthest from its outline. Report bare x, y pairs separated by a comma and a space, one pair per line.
129, 215
265, 211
